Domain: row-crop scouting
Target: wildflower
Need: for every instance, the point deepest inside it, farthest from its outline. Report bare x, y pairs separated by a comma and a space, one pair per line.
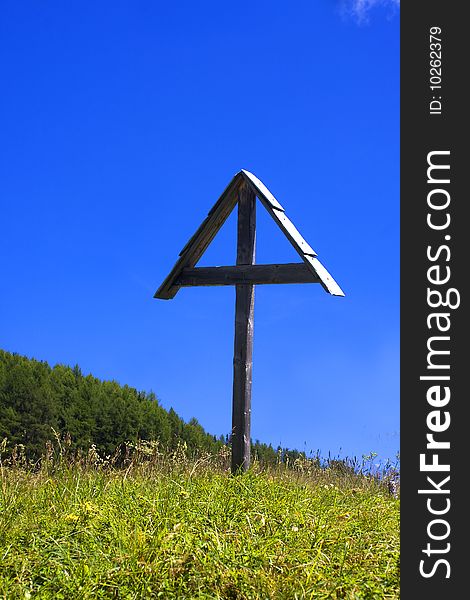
71, 518
392, 486
88, 507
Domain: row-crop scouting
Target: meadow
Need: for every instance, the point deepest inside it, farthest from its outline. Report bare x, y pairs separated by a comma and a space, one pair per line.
152, 524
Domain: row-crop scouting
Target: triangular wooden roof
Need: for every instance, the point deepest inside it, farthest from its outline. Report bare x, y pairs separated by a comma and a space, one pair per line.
217, 216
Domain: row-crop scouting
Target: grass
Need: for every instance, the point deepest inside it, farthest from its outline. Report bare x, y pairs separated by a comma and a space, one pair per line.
173, 528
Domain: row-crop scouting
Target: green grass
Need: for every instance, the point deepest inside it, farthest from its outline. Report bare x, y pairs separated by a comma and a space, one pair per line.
169, 527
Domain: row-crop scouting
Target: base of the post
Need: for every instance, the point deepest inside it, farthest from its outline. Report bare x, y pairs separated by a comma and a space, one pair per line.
241, 456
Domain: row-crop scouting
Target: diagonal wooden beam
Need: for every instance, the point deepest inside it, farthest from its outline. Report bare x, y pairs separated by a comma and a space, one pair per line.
305, 251
277, 212
197, 245
217, 216
243, 274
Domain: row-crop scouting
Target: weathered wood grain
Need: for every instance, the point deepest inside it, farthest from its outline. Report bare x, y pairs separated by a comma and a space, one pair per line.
305, 251
243, 342
253, 274
181, 273
204, 235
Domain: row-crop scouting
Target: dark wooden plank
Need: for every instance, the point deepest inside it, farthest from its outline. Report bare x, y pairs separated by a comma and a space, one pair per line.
217, 216
243, 343
204, 235
253, 274
228, 192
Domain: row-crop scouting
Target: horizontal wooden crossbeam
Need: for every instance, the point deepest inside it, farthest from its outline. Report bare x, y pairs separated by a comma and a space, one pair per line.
247, 274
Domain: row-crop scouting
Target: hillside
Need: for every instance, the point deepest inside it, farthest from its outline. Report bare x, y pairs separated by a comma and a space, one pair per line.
37, 400
129, 501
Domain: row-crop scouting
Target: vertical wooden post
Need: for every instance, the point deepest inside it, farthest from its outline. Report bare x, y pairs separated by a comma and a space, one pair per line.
243, 346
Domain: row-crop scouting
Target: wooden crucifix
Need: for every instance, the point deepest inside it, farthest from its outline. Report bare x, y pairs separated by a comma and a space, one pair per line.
243, 190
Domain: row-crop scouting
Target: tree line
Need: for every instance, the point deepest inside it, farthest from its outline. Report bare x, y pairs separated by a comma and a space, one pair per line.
37, 399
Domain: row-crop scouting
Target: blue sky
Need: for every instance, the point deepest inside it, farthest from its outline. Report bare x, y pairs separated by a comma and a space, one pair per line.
122, 122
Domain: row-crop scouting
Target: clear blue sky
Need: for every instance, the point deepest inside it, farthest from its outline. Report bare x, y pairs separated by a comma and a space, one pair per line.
121, 124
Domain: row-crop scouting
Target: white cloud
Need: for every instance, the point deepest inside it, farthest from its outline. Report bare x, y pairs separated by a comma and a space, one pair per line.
360, 10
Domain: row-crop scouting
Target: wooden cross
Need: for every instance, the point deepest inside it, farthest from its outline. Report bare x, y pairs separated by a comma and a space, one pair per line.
243, 190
